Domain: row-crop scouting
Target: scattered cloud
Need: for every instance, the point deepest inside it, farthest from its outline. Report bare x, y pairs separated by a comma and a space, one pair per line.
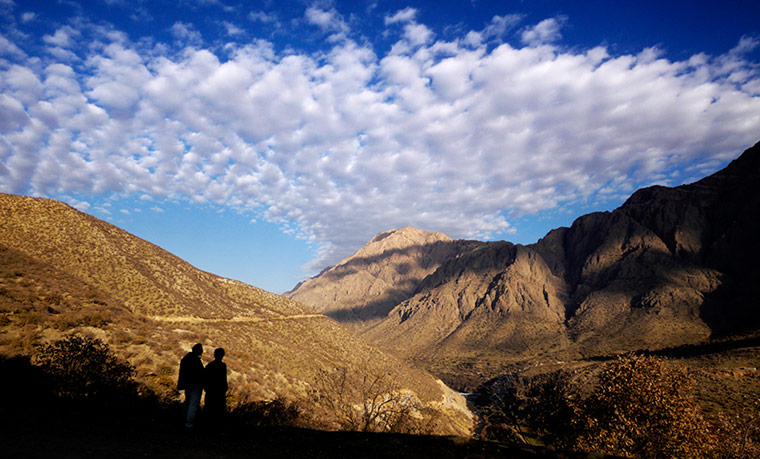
329, 21
186, 34
453, 136
28, 17
8, 48
77, 204
265, 18
64, 37
500, 25
414, 34
232, 29
404, 16
546, 31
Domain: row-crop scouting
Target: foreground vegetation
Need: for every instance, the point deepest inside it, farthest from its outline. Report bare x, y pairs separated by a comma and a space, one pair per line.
75, 398
636, 406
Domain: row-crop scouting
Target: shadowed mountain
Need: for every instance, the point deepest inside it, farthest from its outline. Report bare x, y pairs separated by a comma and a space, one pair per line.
63, 271
670, 267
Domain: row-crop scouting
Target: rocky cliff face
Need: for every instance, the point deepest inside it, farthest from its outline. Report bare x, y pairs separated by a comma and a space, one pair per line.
669, 267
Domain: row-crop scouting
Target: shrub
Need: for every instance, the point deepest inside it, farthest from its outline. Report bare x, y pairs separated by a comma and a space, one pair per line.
84, 368
640, 407
542, 406
277, 412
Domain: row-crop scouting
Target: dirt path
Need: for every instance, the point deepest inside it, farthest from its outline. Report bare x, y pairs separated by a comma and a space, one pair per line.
244, 319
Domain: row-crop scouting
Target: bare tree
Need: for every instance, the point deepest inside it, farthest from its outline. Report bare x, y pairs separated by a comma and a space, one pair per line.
367, 403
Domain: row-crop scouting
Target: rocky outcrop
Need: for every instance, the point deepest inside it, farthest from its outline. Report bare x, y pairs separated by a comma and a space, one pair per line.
496, 297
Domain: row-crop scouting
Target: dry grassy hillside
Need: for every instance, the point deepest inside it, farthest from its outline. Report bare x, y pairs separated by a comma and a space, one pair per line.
63, 271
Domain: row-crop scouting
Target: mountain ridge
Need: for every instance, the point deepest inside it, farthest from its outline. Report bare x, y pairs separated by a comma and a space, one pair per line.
669, 267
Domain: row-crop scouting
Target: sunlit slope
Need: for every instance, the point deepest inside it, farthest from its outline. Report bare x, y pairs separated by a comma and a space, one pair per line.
142, 276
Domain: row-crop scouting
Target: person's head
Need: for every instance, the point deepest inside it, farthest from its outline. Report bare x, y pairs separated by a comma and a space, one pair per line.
198, 349
218, 353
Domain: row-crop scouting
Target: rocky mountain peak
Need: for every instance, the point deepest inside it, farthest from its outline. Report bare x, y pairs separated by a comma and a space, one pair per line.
363, 288
398, 239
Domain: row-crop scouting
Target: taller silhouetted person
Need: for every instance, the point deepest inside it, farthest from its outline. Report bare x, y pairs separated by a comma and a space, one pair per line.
216, 389
191, 380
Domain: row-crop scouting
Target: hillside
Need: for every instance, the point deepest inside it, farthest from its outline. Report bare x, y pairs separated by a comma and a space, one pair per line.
671, 266
63, 271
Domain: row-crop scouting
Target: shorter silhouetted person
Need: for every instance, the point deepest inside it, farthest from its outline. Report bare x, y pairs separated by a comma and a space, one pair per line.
191, 380
216, 389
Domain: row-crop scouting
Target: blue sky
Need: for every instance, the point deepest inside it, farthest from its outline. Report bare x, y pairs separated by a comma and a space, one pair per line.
263, 141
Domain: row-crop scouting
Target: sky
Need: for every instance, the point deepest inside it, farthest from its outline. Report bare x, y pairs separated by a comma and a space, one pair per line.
264, 141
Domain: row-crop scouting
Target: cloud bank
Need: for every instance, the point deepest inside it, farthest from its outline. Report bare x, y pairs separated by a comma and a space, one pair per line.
454, 135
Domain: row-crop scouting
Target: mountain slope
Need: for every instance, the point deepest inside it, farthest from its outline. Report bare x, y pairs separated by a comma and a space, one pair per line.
671, 266
364, 287
64, 271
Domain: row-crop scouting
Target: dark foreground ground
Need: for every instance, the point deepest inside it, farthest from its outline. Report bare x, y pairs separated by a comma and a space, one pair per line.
70, 431
258, 443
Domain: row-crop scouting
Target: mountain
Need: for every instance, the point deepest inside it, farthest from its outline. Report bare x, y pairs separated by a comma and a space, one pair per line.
364, 287
671, 266
63, 271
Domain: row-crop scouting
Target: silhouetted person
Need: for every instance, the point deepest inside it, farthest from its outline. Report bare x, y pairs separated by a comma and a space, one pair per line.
191, 381
216, 389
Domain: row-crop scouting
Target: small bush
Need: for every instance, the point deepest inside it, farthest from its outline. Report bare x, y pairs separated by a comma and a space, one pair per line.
640, 407
84, 368
540, 407
277, 412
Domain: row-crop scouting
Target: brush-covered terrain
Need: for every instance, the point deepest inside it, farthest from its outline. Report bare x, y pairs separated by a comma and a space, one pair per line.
64, 272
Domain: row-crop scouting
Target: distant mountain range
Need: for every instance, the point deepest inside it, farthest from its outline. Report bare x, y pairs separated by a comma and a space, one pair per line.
63, 271
671, 266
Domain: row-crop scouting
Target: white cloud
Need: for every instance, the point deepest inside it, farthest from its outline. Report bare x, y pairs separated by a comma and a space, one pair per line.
64, 37
186, 33
403, 16
232, 29
337, 146
260, 16
28, 16
329, 21
9, 48
546, 31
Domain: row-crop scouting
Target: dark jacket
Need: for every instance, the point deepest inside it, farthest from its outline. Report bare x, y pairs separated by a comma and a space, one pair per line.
216, 378
190, 372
